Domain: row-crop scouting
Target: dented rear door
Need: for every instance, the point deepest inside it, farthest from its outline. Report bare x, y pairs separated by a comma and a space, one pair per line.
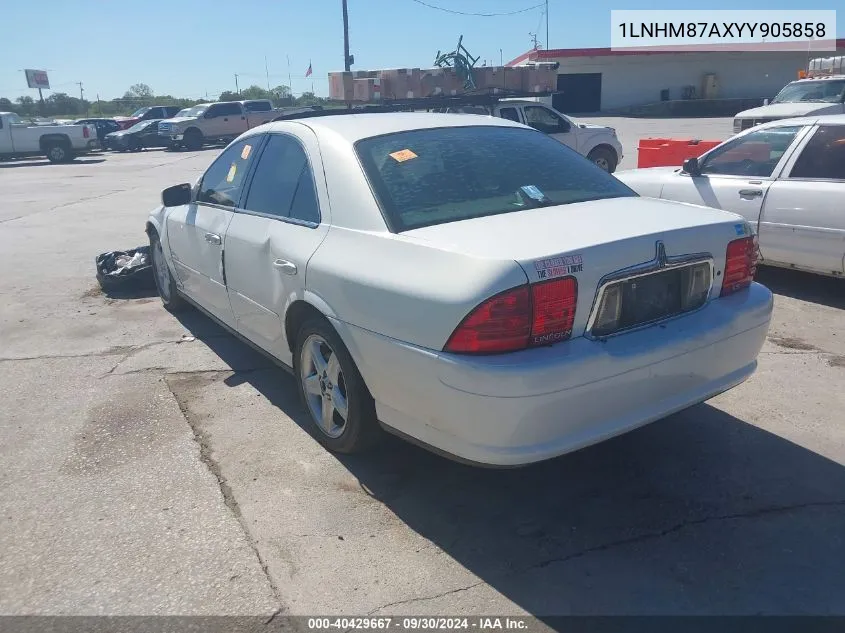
274, 233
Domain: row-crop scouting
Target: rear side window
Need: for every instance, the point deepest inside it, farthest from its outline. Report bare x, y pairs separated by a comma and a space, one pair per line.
432, 176
510, 114
283, 184
824, 156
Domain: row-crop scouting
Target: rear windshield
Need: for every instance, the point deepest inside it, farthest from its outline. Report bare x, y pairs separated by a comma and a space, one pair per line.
258, 106
433, 176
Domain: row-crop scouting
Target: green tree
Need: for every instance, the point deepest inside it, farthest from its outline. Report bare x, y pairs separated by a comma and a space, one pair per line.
139, 91
228, 95
309, 98
254, 92
60, 103
26, 106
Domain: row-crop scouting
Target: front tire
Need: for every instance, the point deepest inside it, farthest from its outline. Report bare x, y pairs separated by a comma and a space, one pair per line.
605, 158
193, 140
331, 388
166, 285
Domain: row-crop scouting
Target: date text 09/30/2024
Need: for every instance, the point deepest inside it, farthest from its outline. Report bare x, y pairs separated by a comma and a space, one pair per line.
419, 623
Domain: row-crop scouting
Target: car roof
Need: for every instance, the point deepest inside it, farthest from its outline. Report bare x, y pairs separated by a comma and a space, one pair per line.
354, 127
819, 78
821, 119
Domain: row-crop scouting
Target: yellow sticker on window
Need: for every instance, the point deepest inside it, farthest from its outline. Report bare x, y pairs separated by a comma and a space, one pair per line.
245, 152
232, 171
402, 155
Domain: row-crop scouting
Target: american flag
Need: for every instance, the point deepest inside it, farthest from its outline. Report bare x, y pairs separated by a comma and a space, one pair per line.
308, 72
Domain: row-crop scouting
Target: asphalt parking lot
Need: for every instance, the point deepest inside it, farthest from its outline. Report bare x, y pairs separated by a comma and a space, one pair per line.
155, 465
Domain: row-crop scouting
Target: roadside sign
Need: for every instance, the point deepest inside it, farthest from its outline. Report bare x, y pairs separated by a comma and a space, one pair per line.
37, 78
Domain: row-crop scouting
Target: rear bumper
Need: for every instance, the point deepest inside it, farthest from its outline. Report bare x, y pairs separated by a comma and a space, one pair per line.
520, 408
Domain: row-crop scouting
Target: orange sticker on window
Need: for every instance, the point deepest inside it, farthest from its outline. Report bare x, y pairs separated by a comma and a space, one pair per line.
232, 171
402, 155
245, 152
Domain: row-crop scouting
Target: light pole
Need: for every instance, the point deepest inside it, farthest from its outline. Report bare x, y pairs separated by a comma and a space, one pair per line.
347, 65
547, 26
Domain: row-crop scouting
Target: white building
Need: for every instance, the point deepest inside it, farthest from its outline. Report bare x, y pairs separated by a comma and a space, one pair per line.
596, 79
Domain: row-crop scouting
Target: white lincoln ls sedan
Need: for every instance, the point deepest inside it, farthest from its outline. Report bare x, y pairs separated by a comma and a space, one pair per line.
465, 282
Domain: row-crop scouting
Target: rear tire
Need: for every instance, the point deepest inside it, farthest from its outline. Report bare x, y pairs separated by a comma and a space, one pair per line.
605, 158
193, 140
58, 152
339, 405
166, 285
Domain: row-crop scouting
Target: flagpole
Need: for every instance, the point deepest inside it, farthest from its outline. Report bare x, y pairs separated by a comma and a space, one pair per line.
311, 68
290, 81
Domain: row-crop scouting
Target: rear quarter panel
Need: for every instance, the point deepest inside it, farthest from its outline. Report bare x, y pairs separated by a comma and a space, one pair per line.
401, 289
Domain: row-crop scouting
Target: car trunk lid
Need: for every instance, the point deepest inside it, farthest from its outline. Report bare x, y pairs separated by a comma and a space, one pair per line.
594, 241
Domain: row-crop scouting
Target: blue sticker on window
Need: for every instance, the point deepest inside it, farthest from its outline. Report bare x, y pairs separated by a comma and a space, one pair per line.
740, 229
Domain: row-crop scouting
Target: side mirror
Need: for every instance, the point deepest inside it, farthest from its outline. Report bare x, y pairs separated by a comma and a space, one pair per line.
208, 115
692, 167
177, 195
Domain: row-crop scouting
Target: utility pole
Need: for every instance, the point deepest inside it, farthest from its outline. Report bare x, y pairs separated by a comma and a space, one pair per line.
547, 26
81, 95
290, 81
501, 58
267, 73
238, 90
347, 62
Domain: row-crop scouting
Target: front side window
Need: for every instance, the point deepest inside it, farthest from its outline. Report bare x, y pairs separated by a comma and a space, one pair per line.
544, 120
754, 155
223, 182
226, 109
283, 184
823, 156
438, 175
139, 112
509, 113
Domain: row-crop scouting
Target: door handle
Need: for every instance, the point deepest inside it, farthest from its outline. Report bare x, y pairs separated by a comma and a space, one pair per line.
212, 238
289, 268
751, 193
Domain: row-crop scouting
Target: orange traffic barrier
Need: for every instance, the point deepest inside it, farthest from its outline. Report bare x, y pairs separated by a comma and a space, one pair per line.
667, 152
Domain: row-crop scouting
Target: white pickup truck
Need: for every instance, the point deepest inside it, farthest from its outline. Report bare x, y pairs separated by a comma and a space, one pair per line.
59, 143
215, 122
597, 142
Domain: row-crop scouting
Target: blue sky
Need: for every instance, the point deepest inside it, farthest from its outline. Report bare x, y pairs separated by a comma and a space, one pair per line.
194, 47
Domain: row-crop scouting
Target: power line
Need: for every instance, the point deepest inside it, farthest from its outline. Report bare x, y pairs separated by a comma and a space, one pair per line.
481, 15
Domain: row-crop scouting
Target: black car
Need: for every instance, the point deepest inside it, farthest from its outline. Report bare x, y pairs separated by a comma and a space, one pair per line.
142, 134
104, 127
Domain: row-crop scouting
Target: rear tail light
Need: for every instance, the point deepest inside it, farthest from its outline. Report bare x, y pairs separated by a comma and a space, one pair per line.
85, 131
527, 316
740, 264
